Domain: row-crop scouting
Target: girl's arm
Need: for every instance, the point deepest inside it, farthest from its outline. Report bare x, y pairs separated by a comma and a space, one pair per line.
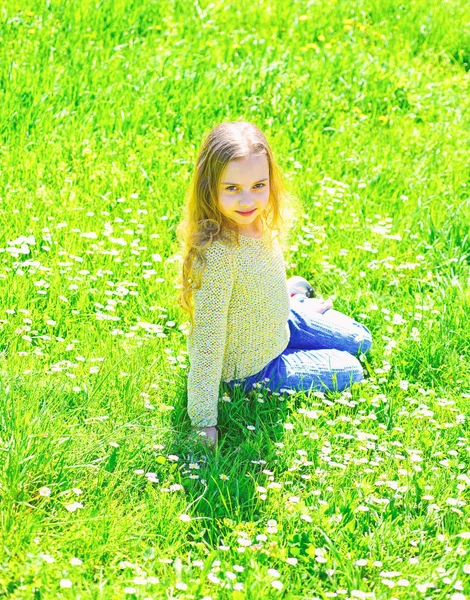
206, 344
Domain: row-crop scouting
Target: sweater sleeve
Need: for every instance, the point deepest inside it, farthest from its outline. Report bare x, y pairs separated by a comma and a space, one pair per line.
206, 343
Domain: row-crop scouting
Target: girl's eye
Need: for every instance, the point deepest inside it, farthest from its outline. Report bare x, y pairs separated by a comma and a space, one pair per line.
229, 188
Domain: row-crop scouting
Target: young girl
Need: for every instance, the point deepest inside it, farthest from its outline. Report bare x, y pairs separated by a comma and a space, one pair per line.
248, 323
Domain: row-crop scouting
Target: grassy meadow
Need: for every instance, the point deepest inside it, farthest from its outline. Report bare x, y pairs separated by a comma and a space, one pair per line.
362, 494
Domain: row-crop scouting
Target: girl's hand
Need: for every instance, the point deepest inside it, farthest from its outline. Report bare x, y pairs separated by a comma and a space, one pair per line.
210, 439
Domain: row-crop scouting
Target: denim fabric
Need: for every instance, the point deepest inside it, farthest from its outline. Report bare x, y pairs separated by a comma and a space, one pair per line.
320, 352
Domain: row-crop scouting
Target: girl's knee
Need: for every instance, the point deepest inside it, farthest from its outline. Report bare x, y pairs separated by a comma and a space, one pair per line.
351, 372
362, 339
355, 372
352, 336
368, 339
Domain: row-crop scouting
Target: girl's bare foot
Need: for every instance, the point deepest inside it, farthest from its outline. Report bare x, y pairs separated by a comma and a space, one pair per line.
320, 305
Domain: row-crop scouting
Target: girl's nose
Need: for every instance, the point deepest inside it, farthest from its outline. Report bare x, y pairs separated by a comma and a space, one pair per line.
247, 200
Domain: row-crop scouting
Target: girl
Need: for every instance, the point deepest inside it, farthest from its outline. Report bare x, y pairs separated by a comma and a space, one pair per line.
248, 323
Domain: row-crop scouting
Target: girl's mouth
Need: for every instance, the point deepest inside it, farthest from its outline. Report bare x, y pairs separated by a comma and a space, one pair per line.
246, 214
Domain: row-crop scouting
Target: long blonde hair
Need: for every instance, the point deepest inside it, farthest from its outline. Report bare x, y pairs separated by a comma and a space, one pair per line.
203, 223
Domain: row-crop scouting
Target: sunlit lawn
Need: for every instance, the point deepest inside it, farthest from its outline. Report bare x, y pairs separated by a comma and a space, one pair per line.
360, 494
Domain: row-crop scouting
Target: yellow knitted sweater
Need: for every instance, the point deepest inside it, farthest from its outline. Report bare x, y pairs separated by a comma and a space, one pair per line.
240, 319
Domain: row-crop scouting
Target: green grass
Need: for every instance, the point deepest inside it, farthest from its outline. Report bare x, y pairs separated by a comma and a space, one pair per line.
103, 106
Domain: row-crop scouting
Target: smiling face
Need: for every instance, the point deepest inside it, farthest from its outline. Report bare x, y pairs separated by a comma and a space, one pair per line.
244, 188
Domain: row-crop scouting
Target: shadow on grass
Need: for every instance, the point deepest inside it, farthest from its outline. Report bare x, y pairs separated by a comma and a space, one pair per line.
221, 484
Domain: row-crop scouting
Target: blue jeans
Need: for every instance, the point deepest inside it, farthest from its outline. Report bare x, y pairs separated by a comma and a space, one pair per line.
319, 355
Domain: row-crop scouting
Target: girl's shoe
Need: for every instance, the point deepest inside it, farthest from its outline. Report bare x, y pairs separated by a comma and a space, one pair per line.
299, 285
